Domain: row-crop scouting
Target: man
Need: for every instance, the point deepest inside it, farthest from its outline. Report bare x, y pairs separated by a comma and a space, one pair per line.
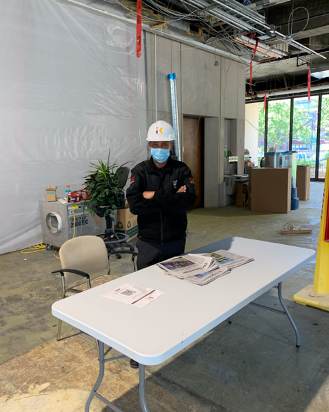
161, 190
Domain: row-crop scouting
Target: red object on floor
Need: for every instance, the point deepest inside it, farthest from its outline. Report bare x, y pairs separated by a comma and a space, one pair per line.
139, 29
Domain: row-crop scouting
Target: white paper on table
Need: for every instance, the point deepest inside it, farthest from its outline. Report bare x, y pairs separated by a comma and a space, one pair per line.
133, 295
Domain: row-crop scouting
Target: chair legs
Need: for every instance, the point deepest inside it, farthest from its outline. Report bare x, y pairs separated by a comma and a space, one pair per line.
89, 287
59, 320
59, 329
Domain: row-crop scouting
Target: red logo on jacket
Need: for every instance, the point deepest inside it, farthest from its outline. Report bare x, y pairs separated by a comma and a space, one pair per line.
132, 180
192, 181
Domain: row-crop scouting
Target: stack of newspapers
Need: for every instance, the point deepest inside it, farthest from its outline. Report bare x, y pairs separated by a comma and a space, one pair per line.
202, 269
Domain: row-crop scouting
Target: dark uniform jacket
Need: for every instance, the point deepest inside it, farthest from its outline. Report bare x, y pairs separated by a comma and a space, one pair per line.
162, 218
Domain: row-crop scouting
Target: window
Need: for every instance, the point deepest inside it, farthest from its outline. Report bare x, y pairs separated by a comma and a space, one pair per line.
261, 132
305, 131
278, 125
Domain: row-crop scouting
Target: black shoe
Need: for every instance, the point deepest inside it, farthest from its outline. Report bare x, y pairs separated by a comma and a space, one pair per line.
134, 364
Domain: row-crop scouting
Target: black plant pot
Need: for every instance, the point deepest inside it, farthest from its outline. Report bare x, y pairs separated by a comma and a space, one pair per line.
102, 211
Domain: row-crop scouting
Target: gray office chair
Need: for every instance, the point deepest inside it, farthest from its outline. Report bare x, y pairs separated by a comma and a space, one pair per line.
81, 257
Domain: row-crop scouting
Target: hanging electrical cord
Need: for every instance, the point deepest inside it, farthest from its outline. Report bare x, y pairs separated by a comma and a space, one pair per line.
291, 23
228, 37
169, 12
150, 18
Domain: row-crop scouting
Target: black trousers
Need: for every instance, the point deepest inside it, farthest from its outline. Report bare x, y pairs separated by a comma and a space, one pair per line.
150, 253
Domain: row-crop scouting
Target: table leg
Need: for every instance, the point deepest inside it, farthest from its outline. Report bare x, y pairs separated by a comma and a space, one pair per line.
100, 376
142, 388
94, 393
288, 314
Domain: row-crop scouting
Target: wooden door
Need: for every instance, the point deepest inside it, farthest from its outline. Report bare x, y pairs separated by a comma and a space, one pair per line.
193, 154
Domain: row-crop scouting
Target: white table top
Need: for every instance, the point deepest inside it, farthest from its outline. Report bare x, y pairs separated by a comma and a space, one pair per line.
185, 312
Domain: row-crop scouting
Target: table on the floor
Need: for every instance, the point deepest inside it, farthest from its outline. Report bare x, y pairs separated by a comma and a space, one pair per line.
153, 334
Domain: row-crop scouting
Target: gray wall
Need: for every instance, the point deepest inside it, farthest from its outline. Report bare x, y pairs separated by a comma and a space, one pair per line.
204, 90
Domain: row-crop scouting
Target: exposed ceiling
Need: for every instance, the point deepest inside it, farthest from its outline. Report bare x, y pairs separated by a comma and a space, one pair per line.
311, 28
289, 34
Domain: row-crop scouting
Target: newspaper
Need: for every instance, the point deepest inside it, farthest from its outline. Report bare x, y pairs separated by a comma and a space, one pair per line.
201, 269
206, 277
185, 266
133, 295
227, 259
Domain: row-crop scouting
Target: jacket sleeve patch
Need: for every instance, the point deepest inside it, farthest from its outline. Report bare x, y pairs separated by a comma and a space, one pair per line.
132, 180
192, 181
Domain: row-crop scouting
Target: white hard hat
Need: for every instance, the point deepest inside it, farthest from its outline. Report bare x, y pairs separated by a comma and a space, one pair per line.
160, 131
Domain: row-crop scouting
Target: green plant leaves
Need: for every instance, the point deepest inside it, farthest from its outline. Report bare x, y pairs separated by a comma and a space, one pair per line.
103, 185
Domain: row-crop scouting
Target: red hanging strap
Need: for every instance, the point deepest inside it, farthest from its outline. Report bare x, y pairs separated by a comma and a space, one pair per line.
139, 29
264, 102
309, 82
255, 49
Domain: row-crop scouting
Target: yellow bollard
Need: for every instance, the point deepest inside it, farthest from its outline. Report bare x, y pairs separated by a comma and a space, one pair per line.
317, 295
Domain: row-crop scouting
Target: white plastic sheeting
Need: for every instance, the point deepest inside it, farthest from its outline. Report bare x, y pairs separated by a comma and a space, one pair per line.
71, 87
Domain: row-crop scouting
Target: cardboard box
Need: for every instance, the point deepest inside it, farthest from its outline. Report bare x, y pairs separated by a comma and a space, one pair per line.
51, 193
126, 223
303, 182
242, 194
270, 190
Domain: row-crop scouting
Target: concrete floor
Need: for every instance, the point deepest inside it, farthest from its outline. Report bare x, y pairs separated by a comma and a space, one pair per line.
249, 366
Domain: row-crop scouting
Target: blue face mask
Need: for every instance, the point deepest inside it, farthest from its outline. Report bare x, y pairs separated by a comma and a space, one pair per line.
160, 155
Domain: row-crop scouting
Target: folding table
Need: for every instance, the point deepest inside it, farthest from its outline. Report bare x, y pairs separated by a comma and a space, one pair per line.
153, 334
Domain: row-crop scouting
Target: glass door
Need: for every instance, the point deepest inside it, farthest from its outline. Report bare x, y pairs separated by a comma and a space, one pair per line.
304, 134
261, 132
278, 125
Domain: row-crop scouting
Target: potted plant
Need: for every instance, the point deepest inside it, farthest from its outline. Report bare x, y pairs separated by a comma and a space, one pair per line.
104, 188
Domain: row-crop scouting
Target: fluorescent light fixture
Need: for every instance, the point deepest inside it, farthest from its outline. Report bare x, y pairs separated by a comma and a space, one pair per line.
320, 70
